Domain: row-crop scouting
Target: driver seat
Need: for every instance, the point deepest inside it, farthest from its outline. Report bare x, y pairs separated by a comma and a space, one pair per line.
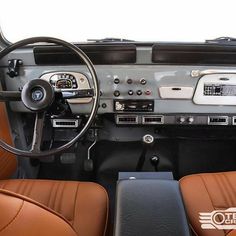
81, 205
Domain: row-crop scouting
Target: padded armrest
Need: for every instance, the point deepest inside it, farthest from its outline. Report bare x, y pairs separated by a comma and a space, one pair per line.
150, 208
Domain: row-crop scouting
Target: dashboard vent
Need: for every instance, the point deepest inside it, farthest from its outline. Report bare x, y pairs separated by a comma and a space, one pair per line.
234, 120
218, 120
152, 120
126, 119
65, 123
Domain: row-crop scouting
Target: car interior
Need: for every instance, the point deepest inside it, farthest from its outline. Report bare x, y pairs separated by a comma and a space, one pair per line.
117, 137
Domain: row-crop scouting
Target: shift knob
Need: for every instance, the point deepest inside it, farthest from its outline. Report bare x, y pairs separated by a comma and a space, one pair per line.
148, 139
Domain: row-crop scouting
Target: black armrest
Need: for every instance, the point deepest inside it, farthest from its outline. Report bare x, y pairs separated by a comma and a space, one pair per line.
150, 208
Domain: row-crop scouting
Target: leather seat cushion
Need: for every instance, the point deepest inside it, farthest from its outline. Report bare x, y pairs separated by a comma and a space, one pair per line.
206, 193
83, 204
16, 218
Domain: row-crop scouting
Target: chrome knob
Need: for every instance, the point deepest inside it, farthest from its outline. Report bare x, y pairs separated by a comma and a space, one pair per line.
182, 119
148, 139
190, 119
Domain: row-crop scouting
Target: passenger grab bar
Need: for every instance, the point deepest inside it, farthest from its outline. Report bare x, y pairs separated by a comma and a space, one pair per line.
199, 73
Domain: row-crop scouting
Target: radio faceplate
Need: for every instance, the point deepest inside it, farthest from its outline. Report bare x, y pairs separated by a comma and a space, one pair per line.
133, 105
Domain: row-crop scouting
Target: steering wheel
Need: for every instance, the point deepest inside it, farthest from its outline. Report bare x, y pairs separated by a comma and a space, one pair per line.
37, 95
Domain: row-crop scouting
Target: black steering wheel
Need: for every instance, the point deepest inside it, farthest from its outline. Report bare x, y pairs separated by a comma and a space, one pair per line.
37, 95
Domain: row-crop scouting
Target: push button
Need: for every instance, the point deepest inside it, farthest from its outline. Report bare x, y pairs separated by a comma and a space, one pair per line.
130, 92
116, 93
139, 92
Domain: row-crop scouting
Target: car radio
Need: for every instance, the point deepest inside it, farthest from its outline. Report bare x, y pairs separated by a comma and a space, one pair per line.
134, 105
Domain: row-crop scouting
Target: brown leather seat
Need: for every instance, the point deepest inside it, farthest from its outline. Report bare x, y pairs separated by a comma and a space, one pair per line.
206, 193
22, 216
83, 205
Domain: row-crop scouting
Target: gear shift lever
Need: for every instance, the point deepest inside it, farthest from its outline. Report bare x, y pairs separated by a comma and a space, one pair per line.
147, 141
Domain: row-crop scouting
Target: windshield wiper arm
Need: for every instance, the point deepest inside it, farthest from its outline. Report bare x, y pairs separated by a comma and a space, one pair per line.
223, 40
109, 40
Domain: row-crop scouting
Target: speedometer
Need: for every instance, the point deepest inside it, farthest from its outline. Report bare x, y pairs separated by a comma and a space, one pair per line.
63, 81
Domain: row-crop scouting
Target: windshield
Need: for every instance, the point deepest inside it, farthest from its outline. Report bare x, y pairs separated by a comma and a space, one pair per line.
143, 20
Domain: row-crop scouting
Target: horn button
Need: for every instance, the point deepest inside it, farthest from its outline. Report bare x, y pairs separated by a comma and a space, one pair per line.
37, 95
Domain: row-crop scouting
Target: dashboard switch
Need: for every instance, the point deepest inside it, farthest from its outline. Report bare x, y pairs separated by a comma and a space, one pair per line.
129, 81
148, 92
190, 120
116, 80
116, 93
181, 119
143, 81
130, 92
139, 92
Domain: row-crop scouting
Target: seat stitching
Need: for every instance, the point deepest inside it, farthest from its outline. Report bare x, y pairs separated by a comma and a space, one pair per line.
30, 188
13, 219
19, 186
57, 206
227, 188
75, 203
24, 188
222, 188
230, 184
204, 183
55, 195
50, 194
61, 196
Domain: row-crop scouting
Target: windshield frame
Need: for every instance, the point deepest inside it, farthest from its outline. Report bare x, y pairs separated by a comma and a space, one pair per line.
3, 40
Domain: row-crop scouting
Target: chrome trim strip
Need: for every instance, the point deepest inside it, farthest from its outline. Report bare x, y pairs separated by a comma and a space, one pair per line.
199, 73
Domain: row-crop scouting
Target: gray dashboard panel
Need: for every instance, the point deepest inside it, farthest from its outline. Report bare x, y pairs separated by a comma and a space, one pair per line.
156, 76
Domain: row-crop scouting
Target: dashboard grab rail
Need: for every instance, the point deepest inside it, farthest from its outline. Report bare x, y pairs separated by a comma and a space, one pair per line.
199, 73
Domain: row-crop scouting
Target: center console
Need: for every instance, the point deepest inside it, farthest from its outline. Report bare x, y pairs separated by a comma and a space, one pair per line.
152, 207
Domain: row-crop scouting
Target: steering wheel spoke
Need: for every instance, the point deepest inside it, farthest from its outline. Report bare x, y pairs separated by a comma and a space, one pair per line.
38, 132
10, 96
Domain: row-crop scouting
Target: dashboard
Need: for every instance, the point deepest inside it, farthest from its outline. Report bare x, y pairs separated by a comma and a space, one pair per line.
141, 94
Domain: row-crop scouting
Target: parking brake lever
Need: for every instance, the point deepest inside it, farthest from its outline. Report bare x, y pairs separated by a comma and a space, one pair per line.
88, 163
